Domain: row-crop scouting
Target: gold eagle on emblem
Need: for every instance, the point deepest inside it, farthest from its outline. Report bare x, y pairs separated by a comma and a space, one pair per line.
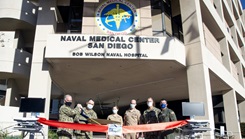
118, 15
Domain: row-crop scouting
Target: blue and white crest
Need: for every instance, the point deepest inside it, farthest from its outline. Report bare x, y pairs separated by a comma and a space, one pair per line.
117, 17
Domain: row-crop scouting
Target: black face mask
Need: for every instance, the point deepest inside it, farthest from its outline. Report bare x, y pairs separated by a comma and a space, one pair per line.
68, 104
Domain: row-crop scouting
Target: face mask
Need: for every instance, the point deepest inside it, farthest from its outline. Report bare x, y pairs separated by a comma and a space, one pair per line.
132, 106
89, 106
68, 103
149, 104
163, 106
115, 111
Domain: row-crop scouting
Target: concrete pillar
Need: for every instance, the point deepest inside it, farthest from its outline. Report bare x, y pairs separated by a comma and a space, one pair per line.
241, 107
197, 71
40, 80
191, 21
231, 113
12, 96
8, 95
200, 91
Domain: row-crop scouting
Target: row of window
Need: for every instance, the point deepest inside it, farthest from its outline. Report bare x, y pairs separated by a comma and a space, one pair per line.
169, 24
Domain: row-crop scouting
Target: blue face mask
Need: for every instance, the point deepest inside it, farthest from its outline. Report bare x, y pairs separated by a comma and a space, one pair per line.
163, 106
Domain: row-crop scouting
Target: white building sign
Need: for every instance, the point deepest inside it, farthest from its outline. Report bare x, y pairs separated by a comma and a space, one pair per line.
119, 47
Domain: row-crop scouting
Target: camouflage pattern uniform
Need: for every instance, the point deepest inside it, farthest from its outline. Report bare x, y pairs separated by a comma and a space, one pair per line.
167, 115
151, 116
82, 134
131, 117
66, 114
78, 133
117, 118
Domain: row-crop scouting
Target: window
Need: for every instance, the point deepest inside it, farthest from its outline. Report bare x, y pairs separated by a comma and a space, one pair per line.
75, 20
71, 17
76, 15
3, 87
165, 20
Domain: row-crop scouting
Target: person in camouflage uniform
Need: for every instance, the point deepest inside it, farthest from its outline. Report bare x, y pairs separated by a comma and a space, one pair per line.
132, 117
88, 112
150, 116
166, 115
115, 117
80, 118
66, 114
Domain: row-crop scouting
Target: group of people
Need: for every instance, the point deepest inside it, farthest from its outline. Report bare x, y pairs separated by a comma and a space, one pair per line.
132, 116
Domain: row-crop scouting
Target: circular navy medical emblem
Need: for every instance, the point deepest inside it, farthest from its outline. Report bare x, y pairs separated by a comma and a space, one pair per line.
117, 17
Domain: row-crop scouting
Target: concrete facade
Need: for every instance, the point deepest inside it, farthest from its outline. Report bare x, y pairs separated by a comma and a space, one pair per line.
183, 51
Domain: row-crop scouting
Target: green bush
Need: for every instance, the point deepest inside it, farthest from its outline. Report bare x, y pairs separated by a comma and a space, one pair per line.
3, 133
243, 129
13, 137
52, 135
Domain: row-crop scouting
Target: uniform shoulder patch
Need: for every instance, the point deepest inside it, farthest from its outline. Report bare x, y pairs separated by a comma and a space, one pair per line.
172, 112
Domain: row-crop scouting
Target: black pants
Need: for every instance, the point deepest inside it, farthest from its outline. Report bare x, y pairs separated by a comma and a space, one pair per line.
64, 133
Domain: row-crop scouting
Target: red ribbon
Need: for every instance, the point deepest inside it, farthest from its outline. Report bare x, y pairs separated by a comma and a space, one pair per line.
77, 126
104, 128
154, 127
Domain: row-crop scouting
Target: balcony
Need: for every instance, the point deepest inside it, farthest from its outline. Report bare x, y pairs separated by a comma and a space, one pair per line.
234, 71
13, 62
17, 14
212, 44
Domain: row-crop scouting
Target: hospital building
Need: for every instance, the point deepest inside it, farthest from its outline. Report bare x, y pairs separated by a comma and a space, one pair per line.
116, 50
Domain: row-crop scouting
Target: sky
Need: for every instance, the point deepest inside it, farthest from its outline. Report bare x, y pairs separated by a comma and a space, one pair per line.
243, 4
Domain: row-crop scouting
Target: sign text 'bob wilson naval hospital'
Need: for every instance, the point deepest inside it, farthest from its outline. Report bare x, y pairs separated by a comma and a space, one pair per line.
105, 46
